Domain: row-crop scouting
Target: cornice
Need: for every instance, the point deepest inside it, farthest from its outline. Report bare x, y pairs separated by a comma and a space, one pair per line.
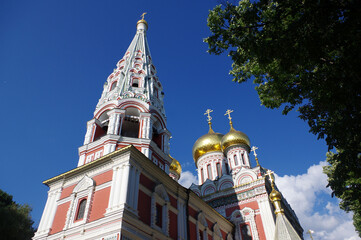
90, 165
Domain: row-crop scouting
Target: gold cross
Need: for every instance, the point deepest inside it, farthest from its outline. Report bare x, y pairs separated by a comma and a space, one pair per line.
271, 176
143, 15
209, 118
253, 149
228, 112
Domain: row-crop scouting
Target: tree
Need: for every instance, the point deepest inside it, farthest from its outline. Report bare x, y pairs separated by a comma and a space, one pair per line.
15, 220
303, 55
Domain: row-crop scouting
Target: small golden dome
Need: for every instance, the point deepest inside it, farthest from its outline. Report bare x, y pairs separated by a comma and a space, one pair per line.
275, 195
142, 21
234, 137
175, 166
209, 142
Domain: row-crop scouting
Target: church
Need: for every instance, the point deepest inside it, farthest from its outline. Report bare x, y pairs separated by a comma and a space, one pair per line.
125, 185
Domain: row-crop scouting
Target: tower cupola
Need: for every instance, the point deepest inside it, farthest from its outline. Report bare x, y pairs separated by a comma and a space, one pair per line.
210, 142
236, 146
130, 109
234, 137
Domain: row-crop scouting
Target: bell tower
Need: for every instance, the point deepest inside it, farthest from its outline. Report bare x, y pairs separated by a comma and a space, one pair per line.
130, 110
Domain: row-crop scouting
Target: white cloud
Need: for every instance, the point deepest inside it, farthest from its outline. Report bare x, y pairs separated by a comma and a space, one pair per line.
316, 210
187, 178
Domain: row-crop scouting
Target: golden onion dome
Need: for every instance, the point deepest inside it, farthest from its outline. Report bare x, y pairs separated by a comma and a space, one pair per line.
234, 137
175, 166
275, 195
210, 142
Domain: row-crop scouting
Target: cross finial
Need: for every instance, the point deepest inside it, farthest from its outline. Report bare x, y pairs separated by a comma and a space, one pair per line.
253, 149
228, 112
143, 15
209, 118
271, 176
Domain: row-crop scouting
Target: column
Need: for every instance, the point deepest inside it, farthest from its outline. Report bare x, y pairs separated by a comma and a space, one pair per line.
89, 131
114, 120
124, 185
181, 217
145, 123
119, 128
49, 212
136, 189
267, 217
114, 190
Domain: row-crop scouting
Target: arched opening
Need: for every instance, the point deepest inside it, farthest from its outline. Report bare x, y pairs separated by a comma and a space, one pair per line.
81, 210
235, 160
219, 171
227, 168
135, 83
114, 84
102, 129
157, 137
209, 171
246, 232
130, 126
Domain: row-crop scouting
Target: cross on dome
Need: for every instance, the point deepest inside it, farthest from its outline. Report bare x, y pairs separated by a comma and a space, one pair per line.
269, 173
209, 118
228, 112
253, 149
143, 15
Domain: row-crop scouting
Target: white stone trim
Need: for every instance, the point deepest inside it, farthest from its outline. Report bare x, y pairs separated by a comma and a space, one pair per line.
85, 188
267, 217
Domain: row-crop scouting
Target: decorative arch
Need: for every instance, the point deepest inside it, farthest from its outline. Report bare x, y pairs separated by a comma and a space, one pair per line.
217, 234
81, 198
195, 189
160, 209
134, 103
208, 187
104, 108
131, 122
113, 86
201, 227
245, 217
244, 176
225, 182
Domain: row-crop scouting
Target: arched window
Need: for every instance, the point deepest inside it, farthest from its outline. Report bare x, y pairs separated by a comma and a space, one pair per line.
246, 232
202, 175
160, 209
114, 84
156, 135
101, 126
219, 171
227, 168
135, 83
130, 126
209, 171
235, 160
242, 156
81, 210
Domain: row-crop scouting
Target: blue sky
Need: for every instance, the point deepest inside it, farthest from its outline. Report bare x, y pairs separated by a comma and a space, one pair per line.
56, 55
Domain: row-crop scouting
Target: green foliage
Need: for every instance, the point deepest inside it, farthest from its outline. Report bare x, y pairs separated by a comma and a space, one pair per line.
15, 220
303, 55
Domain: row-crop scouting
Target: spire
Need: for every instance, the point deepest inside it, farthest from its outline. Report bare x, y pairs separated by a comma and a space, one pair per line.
135, 74
284, 229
